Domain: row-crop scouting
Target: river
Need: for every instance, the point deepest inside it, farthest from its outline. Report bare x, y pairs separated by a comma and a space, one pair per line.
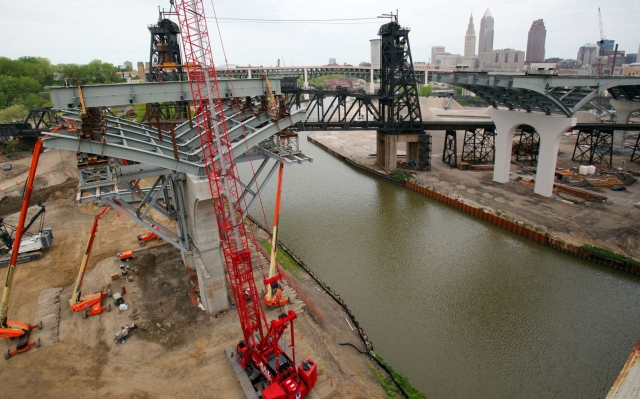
465, 309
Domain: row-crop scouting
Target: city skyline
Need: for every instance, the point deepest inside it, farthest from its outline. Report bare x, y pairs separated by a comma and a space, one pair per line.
35, 29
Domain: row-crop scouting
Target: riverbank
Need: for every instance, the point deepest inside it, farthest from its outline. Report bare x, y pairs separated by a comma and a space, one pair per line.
612, 225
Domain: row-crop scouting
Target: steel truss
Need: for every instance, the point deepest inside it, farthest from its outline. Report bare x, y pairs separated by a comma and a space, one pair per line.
529, 145
399, 105
345, 108
594, 147
104, 184
37, 120
635, 156
479, 146
450, 152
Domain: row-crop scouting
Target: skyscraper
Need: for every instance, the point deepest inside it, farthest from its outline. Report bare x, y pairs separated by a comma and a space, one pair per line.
486, 33
470, 40
535, 43
436, 50
587, 54
375, 53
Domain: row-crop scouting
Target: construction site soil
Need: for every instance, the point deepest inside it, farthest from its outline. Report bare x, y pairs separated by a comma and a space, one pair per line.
178, 349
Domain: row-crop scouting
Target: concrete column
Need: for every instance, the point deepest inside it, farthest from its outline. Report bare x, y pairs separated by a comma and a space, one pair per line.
249, 73
387, 151
141, 72
207, 259
306, 79
549, 128
624, 109
371, 87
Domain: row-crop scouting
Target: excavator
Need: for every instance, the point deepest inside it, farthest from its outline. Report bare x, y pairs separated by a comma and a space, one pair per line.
90, 304
9, 328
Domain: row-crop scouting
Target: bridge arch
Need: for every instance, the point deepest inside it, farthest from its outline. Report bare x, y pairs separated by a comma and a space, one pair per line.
550, 129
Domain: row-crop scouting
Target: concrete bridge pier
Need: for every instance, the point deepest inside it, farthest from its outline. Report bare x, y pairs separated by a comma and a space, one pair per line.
207, 259
418, 149
370, 84
550, 129
624, 109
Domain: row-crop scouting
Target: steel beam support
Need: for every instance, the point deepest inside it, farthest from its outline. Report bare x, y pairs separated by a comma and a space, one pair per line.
528, 146
150, 92
635, 156
148, 223
450, 151
160, 153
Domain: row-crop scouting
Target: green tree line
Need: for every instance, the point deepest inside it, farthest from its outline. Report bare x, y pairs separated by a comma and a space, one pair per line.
23, 82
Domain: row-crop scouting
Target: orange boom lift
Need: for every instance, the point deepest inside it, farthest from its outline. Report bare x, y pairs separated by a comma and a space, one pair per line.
9, 328
274, 298
91, 304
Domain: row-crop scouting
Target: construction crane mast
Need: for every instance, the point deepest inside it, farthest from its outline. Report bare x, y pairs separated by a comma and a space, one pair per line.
260, 350
602, 37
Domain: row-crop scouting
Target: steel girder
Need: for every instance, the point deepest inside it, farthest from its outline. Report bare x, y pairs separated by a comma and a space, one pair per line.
450, 151
131, 141
352, 72
150, 92
548, 94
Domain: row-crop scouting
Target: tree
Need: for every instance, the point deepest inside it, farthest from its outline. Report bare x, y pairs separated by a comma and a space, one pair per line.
15, 113
458, 89
425, 91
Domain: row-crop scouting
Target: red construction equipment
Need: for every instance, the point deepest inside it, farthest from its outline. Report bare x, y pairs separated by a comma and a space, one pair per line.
9, 328
148, 236
125, 256
91, 304
260, 350
275, 299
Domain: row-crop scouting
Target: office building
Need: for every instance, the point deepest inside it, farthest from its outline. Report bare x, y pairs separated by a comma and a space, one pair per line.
507, 60
128, 65
535, 43
470, 40
332, 61
436, 50
375, 53
588, 54
485, 42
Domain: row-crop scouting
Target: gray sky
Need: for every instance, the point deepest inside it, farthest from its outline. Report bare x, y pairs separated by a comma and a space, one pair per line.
78, 31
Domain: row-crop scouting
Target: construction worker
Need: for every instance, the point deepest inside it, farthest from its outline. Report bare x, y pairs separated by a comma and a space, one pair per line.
60, 118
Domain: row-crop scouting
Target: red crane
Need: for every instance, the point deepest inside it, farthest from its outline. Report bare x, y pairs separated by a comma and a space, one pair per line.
260, 349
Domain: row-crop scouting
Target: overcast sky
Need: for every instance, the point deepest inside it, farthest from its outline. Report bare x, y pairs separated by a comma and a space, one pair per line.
78, 31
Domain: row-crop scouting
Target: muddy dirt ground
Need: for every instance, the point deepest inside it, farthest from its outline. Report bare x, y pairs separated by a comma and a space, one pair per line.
614, 224
178, 350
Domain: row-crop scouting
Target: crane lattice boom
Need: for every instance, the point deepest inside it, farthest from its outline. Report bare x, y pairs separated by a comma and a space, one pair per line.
258, 350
